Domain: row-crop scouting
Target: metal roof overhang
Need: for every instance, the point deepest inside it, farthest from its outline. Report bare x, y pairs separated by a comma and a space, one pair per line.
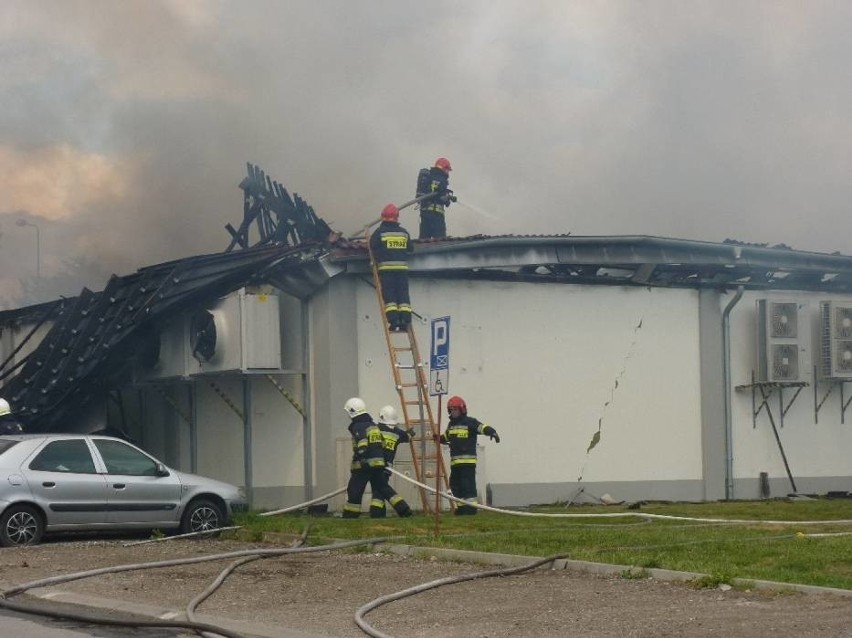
627, 260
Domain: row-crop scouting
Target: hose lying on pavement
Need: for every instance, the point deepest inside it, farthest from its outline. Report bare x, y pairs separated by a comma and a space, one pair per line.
202, 627
362, 611
96, 620
217, 582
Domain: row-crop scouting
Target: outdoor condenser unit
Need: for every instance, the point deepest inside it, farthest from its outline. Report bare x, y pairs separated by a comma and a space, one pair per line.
783, 341
835, 340
240, 332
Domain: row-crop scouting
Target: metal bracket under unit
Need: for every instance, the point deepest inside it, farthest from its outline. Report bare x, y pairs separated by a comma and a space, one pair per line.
844, 402
766, 390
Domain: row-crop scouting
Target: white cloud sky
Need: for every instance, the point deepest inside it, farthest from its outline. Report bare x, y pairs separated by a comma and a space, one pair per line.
126, 126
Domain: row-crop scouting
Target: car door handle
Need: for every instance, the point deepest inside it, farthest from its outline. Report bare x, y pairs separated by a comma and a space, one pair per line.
48, 484
119, 486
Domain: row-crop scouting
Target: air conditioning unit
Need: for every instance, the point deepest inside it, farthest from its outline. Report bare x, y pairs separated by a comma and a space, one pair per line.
783, 341
241, 332
835, 340
167, 356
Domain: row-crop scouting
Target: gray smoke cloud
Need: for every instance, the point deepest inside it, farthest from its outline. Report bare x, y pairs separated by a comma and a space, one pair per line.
126, 125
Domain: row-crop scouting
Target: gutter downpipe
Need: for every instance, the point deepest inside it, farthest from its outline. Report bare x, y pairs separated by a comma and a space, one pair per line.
726, 378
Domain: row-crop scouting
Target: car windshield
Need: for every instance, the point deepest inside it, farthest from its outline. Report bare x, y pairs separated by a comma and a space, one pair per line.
5, 444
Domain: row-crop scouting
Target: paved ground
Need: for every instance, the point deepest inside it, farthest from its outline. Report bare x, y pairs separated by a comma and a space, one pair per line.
318, 595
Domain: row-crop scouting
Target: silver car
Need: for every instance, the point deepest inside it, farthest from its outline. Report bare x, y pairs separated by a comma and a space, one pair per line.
73, 482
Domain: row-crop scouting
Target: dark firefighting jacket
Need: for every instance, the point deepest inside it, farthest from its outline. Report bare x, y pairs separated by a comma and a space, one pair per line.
393, 436
391, 246
434, 180
10, 425
461, 435
368, 444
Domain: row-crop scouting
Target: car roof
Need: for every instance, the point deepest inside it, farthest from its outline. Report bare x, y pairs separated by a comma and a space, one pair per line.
57, 436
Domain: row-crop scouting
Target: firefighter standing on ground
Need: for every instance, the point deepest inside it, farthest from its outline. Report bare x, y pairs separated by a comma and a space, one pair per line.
460, 435
434, 180
391, 245
368, 466
8, 423
392, 434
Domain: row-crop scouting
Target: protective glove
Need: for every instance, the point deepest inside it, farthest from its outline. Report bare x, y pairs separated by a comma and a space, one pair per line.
411, 433
494, 437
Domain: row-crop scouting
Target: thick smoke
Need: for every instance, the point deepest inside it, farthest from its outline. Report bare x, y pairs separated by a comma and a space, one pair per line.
126, 126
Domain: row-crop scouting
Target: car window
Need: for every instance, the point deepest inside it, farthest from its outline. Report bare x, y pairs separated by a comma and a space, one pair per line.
65, 456
120, 458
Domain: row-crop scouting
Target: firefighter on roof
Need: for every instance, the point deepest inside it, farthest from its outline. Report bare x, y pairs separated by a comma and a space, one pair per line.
391, 245
460, 435
368, 466
434, 180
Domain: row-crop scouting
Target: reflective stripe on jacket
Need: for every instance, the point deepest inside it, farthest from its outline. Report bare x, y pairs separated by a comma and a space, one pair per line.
368, 449
461, 435
391, 246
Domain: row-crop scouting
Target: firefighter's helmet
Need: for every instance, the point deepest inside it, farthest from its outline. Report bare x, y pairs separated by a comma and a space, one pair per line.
388, 416
444, 164
4, 407
355, 406
390, 213
457, 402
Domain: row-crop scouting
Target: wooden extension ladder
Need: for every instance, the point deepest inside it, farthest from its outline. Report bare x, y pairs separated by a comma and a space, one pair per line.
413, 390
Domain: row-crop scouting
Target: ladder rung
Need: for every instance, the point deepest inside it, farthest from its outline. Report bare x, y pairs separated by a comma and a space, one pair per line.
401, 349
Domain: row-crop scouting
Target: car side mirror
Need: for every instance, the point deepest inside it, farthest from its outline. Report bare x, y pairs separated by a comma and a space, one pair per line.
161, 470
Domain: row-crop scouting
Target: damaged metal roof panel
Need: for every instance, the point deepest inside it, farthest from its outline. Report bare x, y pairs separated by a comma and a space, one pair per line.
95, 337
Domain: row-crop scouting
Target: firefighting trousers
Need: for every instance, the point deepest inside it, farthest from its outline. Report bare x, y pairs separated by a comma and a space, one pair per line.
382, 491
395, 293
432, 225
463, 486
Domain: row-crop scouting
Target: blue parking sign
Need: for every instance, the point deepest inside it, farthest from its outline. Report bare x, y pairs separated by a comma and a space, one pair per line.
439, 357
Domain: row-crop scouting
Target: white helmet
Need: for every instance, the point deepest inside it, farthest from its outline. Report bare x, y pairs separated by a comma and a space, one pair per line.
387, 415
355, 406
4, 407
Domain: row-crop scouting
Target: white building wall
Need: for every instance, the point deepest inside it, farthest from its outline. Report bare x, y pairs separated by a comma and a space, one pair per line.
220, 434
817, 452
546, 365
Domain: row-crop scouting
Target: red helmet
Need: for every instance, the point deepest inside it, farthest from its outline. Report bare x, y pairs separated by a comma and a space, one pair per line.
444, 164
457, 402
390, 213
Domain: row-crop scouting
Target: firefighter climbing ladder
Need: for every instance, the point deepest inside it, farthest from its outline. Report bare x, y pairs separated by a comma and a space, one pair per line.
413, 390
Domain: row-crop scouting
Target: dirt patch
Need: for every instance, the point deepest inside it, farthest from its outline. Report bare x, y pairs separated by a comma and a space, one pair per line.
319, 593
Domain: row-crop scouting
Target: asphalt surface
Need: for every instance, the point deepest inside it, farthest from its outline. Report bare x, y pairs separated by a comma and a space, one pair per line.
25, 625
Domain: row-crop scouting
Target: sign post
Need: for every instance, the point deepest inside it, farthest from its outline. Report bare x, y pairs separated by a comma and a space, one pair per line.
439, 357
439, 382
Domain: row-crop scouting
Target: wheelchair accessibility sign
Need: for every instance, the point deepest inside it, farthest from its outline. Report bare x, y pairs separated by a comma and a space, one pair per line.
439, 357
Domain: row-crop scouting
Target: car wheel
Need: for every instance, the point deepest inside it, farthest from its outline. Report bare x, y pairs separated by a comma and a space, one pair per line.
201, 516
20, 525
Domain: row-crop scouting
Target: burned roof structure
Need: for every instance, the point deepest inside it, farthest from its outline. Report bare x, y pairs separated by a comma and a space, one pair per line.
96, 338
